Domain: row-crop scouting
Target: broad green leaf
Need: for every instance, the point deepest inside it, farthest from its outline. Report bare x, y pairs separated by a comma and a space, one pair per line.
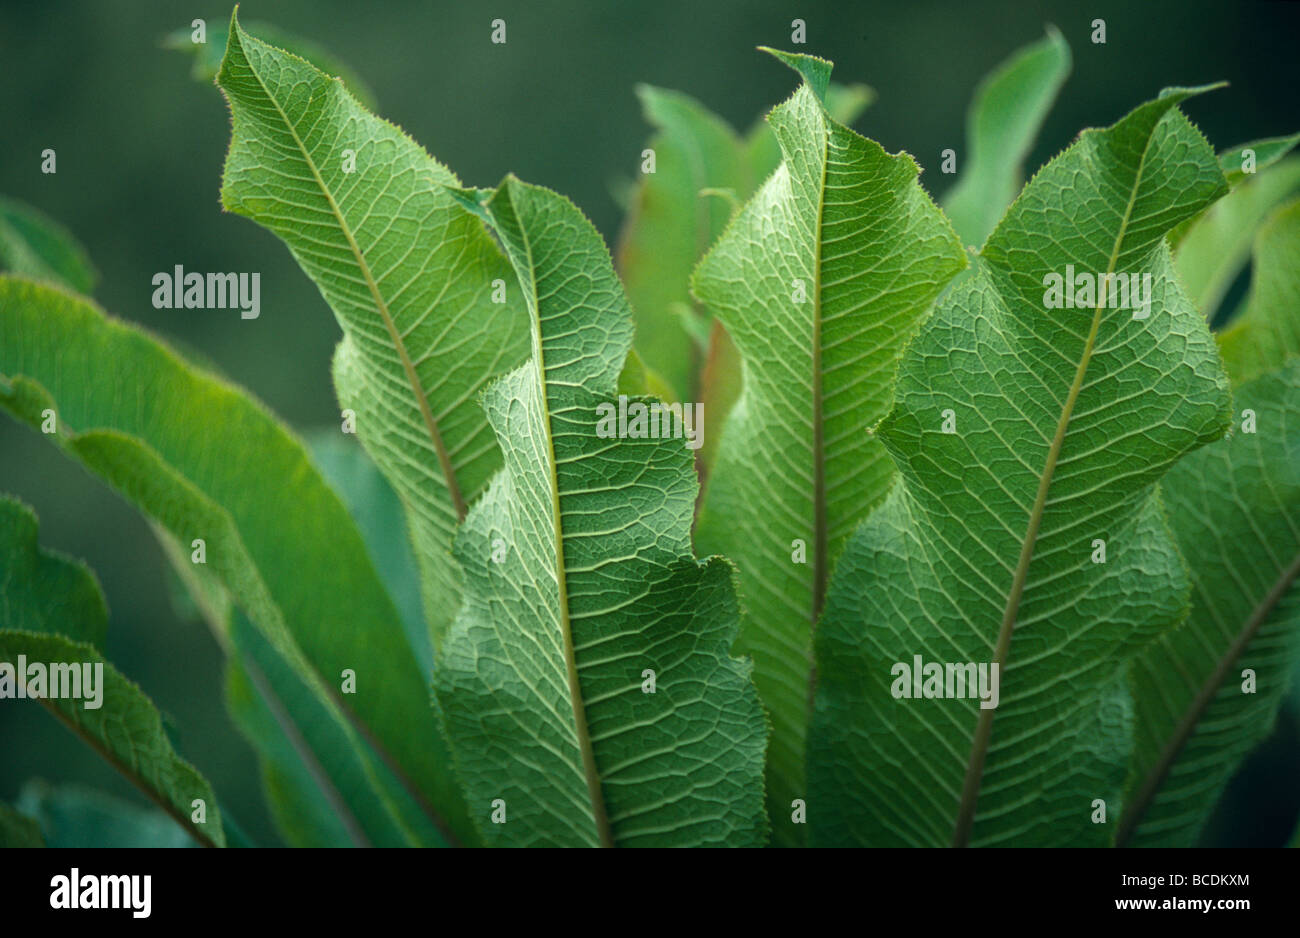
18, 830
819, 281
1268, 332
75, 816
307, 761
34, 245
410, 278
1208, 693
1005, 117
986, 552
300, 792
208, 55
1235, 511
1216, 246
580, 582
159, 431
49, 621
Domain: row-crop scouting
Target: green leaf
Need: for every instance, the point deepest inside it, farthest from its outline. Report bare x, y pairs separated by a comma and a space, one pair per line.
1259, 153
47, 620
276, 535
1268, 332
44, 591
1234, 508
541, 677
208, 55
1004, 120
18, 830
410, 278
34, 245
671, 224
307, 762
314, 767
1215, 247
75, 816
819, 281
1063, 420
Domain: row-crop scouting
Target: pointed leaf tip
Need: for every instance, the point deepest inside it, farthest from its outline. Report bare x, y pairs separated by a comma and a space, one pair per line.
816, 72
1180, 93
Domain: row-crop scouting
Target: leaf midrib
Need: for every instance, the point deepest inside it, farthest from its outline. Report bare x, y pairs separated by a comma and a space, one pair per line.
130, 775
820, 534
595, 792
431, 424
984, 728
1137, 807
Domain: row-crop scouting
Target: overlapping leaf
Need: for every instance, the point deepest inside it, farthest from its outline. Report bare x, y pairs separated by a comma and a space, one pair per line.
819, 280
53, 617
580, 581
275, 535
987, 550
74, 816
670, 225
410, 277
1208, 693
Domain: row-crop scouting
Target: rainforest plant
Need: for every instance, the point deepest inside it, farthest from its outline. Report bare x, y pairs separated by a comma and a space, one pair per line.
984, 536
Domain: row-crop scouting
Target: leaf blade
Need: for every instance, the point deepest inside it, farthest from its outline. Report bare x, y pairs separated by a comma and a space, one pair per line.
125, 406
123, 726
941, 569
408, 275
847, 225
540, 677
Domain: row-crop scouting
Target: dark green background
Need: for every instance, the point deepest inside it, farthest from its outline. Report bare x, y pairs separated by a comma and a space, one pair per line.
140, 148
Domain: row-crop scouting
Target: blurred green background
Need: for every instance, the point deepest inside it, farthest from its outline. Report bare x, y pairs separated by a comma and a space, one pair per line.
140, 147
